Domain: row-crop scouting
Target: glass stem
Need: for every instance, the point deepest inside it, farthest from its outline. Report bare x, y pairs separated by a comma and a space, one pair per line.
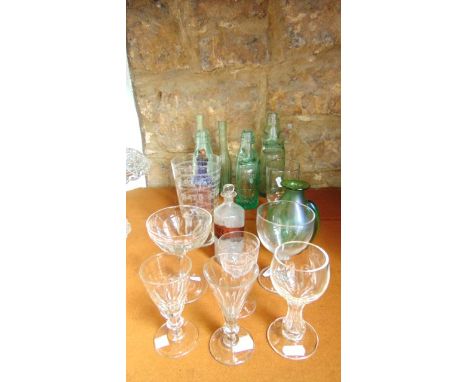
293, 323
174, 324
230, 330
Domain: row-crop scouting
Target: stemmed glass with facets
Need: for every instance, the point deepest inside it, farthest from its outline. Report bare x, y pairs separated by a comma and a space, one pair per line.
279, 222
300, 272
165, 277
244, 248
230, 282
179, 229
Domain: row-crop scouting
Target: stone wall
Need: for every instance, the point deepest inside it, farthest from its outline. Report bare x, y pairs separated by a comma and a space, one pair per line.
235, 60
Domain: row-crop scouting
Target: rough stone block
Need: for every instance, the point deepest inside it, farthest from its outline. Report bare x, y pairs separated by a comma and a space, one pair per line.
227, 33
299, 87
154, 38
305, 27
168, 105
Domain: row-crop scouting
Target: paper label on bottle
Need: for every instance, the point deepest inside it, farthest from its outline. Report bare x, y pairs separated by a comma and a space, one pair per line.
220, 230
160, 342
244, 343
294, 350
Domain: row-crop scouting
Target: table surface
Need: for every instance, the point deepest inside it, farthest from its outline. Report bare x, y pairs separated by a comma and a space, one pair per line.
143, 318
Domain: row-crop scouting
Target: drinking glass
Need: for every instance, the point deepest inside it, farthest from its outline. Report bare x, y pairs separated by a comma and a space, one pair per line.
230, 283
165, 277
197, 183
300, 278
276, 172
243, 247
180, 229
279, 222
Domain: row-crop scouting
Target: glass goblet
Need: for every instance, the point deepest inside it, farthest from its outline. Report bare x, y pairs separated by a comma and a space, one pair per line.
180, 229
243, 247
281, 221
230, 283
165, 277
300, 278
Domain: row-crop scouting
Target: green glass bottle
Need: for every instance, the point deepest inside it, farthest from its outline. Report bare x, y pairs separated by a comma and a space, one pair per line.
247, 174
203, 148
224, 155
272, 148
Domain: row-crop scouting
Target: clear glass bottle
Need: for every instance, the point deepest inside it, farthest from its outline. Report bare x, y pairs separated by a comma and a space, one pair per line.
272, 148
228, 216
247, 173
224, 155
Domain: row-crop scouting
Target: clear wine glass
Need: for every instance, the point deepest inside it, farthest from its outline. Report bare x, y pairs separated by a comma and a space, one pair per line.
279, 222
300, 272
165, 276
180, 229
244, 248
230, 283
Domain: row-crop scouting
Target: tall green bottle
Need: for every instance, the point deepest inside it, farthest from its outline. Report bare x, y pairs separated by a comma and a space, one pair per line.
272, 148
224, 155
203, 148
202, 153
247, 174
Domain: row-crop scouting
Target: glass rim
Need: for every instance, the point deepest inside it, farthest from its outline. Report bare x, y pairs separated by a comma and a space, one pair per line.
308, 244
243, 232
161, 254
216, 258
261, 207
150, 230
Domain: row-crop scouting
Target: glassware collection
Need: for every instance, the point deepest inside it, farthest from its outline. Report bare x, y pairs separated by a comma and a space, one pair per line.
286, 223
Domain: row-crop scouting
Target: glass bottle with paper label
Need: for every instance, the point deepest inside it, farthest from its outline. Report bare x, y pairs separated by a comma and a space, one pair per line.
228, 216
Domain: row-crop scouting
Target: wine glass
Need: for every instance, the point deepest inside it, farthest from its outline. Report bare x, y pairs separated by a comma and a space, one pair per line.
180, 229
230, 283
165, 277
244, 248
300, 278
281, 221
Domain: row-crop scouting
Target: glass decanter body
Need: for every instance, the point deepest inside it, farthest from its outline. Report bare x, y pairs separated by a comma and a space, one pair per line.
228, 216
272, 148
247, 173
224, 155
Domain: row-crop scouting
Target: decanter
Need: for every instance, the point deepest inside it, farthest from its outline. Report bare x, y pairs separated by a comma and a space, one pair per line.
247, 172
272, 148
224, 155
228, 216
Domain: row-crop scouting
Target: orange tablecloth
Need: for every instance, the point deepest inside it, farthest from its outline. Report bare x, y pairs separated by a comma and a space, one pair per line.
143, 318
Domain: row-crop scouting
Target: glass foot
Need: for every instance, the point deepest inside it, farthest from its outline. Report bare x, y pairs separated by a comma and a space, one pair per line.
238, 354
290, 349
248, 308
265, 281
196, 287
175, 349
